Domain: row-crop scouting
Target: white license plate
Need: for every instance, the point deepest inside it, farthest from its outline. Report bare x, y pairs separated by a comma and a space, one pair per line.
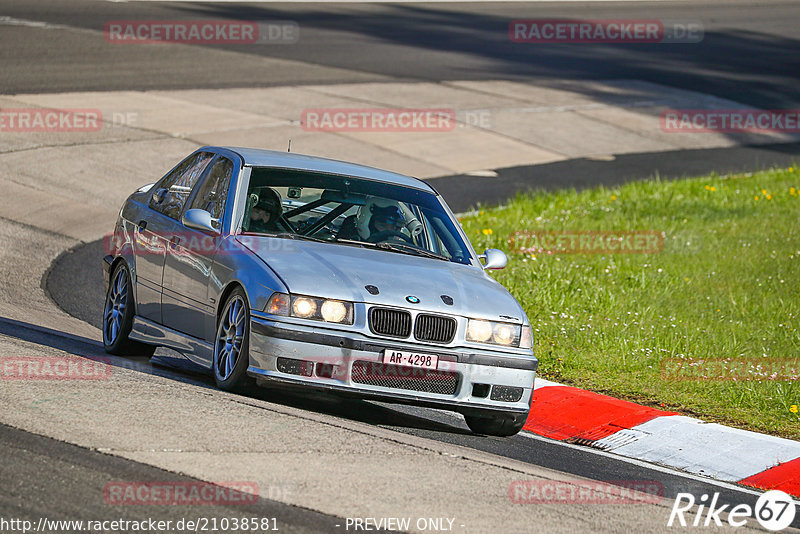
410, 359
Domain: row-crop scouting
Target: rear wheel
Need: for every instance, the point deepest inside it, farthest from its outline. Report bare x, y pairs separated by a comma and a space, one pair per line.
496, 425
118, 315
232, 344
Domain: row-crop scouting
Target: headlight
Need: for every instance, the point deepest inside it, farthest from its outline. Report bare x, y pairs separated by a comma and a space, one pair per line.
334, 311
479, 331
319, 309
303, 307
506, 334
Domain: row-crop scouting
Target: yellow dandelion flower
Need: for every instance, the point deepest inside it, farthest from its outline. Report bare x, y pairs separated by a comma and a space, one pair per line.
791, 169
763, 191
792, 191
613, 197
755, 197
685, 278
481, 212
769, 197
793, 408
712, 188
707, 188
487, 231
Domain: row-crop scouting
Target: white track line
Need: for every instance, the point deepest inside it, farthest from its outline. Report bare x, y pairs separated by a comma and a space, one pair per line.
711, 449
646, 465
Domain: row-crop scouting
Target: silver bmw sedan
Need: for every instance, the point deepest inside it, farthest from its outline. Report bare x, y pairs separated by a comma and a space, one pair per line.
271, 267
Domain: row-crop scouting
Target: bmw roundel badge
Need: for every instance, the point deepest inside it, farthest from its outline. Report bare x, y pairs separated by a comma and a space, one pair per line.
412, 299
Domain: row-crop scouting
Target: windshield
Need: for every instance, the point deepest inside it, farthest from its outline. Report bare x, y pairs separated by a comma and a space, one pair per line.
351, 212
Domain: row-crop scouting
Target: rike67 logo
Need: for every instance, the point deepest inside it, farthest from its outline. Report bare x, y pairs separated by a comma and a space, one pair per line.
774, 510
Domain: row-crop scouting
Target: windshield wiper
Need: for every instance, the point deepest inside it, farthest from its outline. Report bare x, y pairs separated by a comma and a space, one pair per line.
289, 235
395, 247
354, 242
410, 249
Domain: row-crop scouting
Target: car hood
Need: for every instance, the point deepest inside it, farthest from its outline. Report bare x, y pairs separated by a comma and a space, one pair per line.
342, 272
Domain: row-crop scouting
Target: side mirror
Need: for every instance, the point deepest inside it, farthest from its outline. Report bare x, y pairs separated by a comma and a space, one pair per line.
199, 220
493, 259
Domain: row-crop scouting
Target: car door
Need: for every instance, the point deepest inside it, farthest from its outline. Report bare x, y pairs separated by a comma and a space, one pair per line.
152, 232
191, 254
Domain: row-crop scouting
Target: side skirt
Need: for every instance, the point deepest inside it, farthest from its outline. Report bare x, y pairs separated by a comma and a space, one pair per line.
196, 350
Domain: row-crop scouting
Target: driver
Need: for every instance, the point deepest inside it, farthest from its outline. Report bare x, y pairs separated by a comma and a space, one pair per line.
381, 219
266, 212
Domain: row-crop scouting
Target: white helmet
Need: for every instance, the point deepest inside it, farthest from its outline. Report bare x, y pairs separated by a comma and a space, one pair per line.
400, 211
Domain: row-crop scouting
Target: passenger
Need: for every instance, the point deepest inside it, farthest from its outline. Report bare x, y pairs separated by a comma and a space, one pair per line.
386, 222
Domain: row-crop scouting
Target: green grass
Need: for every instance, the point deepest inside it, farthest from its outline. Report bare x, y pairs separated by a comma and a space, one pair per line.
725, 285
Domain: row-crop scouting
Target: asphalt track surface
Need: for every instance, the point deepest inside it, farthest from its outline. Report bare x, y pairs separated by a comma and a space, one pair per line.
55, 480
751, 54
464, 192
76, 284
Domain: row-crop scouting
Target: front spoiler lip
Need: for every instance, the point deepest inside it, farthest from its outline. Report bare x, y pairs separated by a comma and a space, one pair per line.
261, 327
402, 398
108, 259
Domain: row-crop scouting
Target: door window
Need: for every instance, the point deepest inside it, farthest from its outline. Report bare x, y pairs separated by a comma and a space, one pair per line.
174, 189
213, 192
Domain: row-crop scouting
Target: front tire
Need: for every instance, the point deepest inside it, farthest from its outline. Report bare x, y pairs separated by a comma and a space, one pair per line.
498, 425
118, 315
232, 344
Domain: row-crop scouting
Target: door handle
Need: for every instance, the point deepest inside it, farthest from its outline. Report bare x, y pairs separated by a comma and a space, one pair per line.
142, 225
175, 241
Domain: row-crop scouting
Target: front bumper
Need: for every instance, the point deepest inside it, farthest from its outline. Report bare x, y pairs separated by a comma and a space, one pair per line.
477, 381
